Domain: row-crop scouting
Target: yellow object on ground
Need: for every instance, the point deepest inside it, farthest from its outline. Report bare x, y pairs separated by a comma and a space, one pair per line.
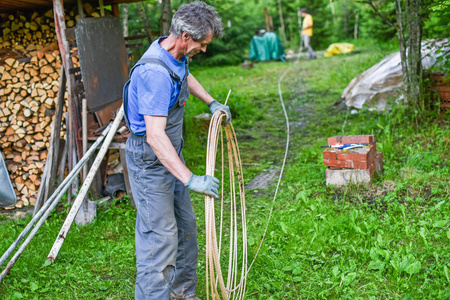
339, 48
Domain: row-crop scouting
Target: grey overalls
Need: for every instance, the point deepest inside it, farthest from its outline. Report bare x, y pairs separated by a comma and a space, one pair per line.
166, 228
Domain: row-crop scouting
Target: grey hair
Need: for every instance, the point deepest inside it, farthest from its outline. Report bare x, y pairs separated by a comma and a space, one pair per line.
198, 20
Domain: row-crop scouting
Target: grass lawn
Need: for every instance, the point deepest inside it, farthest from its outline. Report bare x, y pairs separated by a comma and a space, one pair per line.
385, 240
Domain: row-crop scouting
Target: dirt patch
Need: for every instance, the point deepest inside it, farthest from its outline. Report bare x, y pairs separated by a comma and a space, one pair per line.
263, 180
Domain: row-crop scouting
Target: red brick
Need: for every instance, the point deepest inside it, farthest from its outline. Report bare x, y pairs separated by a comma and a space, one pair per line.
352, 139
330, 153
442, 88
349, 164
358, 154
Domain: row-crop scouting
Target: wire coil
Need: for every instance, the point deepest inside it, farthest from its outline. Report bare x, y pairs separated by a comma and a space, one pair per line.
234, 287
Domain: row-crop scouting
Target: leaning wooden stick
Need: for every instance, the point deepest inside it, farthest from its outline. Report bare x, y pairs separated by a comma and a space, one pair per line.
85, 188
46, 209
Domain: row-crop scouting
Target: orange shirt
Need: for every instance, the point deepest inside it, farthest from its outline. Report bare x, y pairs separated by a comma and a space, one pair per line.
307, 21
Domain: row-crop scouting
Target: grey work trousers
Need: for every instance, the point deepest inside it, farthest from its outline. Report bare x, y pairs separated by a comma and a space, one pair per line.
166, 228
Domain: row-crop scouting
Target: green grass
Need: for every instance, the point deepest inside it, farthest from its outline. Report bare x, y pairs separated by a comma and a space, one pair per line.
385, 240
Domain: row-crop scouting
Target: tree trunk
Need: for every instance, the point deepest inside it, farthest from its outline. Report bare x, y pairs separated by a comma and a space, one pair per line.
266, 17
145, 24
125, 19
410, 48
414, 53
165, 17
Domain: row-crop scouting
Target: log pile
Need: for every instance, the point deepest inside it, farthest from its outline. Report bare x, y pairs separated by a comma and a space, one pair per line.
30, 64
28, 93
37, 28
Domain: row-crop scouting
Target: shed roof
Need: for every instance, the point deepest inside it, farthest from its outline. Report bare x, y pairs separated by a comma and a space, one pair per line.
11, 5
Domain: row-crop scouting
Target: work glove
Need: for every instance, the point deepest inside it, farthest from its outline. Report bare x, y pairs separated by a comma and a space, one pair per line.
215, 105
205, 184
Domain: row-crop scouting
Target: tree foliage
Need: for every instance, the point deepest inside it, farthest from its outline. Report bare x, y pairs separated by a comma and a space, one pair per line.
334, 21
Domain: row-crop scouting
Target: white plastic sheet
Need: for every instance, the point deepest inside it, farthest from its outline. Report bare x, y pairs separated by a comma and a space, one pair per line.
384, 80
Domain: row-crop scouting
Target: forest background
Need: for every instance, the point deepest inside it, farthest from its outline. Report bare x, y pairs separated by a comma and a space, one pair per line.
334, 21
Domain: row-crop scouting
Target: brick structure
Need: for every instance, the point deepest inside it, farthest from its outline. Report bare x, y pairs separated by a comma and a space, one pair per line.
354, 165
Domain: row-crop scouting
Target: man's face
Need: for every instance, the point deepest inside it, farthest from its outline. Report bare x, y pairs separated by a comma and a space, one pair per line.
194, 47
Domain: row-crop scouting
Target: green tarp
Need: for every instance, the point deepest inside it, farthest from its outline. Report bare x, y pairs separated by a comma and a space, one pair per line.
266, 47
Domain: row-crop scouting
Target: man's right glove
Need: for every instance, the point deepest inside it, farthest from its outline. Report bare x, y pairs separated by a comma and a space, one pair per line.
205, 184
215, 105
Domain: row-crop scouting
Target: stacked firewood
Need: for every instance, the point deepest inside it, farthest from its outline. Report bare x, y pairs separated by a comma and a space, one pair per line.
28, 93
22, 29
30, 66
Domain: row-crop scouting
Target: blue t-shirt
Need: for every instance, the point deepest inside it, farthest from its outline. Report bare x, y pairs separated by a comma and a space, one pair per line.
152, 91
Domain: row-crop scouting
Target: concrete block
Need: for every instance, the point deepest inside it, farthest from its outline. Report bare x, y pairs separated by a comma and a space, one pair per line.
345, 176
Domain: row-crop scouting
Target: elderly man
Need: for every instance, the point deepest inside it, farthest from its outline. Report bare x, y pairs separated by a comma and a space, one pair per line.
166, 237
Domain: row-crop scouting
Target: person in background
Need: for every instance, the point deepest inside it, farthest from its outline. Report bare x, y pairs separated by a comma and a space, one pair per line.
166, 228
307, 32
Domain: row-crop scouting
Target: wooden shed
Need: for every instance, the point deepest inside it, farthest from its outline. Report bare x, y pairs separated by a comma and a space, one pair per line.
37, 42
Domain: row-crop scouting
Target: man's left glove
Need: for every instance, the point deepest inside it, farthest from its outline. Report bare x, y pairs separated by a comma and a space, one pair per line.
215, 105
205, 184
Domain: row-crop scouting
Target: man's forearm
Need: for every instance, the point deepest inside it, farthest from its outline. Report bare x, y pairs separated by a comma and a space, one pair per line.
196, 89
163, 148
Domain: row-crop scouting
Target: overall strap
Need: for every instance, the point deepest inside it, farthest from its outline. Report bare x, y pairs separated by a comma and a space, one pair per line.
156, 61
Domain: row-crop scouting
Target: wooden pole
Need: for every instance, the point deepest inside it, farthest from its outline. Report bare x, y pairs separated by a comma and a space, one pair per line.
85, 188
62, 163
64, 49
48, 179
355, 32
115, 10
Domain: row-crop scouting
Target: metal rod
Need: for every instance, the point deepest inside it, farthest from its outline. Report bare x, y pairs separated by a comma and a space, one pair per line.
84, 141
64, 186
84, 189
